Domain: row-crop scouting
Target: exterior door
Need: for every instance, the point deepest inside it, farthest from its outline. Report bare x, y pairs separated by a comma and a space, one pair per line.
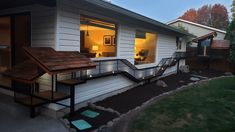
15, 33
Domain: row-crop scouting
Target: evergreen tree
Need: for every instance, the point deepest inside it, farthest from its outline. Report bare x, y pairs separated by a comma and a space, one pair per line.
231, 35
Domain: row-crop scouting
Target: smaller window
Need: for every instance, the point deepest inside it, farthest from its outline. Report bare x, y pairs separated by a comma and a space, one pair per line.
178, 43
145, 47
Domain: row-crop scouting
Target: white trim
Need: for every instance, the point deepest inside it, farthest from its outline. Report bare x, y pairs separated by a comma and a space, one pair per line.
196, 24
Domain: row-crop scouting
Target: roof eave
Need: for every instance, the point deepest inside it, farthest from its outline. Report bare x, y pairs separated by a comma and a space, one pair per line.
134, 15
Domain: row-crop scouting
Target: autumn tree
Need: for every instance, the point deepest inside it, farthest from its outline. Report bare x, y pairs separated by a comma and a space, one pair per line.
219, 17
190, 15
204, 15
210, 15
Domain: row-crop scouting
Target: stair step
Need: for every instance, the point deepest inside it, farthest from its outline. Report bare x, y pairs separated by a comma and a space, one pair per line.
71, 82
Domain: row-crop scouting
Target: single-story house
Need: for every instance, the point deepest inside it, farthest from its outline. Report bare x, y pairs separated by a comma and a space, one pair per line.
99, 30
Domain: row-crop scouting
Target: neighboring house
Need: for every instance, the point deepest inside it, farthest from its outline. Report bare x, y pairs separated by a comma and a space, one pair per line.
98, 29
209, 48
197, 29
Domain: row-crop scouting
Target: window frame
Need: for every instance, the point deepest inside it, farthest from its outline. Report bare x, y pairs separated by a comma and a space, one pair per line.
116, 35
156, 48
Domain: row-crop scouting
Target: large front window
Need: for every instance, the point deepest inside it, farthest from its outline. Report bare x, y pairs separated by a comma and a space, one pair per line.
97, 38
145, 47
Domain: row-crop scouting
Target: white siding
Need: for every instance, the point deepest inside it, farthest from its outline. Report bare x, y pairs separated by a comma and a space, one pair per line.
96, 88
43, 27
126, 43
68, 26
165, 48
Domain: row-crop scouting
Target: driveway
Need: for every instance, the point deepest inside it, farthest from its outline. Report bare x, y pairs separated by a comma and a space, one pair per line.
15, 118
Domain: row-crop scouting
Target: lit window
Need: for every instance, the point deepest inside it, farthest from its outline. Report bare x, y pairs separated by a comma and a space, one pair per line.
145, 47
97, 38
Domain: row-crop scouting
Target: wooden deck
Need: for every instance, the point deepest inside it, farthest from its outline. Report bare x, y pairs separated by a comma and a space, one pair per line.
47, 95
30, 101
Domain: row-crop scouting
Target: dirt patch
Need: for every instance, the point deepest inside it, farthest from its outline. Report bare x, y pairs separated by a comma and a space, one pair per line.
137, 96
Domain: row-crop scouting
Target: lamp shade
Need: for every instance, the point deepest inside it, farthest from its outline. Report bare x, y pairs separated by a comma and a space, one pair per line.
95, 48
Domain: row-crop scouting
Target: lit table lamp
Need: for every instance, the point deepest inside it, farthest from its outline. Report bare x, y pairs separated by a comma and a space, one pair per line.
95, 48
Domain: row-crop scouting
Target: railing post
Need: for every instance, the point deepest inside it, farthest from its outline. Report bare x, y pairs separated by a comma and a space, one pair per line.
117, 64
52, 87
99, 67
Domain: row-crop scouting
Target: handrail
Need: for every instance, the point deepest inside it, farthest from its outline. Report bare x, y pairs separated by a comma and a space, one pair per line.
158, 70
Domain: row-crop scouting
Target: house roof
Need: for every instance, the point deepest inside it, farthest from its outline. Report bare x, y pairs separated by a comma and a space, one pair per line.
204, 37
216, 44
196, 24
130, 14
26, 71
47, 60
86, 4
5, 4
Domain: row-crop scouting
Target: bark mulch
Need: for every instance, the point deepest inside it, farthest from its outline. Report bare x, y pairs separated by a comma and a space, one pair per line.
137, 96
208, 73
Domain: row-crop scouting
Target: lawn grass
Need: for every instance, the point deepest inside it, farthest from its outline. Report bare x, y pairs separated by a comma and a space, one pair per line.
209, 107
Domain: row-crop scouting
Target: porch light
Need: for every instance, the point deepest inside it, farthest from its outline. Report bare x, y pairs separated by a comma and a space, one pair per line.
90, 76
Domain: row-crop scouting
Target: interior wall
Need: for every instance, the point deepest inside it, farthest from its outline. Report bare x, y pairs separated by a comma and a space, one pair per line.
96, 37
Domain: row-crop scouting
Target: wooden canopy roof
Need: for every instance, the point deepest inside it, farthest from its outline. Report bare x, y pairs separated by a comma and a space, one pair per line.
47, 60
27, 72
204, 37
54, 62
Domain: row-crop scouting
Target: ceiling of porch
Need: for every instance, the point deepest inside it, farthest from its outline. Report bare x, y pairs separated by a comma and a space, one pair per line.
5, 4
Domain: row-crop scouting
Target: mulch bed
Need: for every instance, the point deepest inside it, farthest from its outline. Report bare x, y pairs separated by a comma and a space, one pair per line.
208, 73
100, 120
137, 96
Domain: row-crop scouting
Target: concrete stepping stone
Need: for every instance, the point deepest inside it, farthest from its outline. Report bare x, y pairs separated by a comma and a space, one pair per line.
81, 124
90, 114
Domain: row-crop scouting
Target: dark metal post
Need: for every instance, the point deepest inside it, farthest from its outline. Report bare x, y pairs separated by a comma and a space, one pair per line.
32, 108
178, 65
72, 102
52, 87
99, 67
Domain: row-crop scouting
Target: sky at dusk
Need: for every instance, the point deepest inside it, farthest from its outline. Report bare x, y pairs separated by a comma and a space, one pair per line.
166, 10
